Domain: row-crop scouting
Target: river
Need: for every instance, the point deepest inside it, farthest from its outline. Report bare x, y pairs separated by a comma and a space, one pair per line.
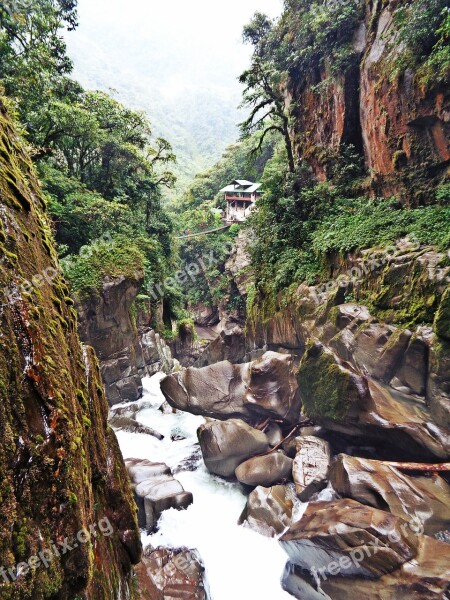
239, 562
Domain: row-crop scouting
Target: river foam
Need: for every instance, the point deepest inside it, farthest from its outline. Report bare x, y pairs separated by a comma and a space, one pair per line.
240, 564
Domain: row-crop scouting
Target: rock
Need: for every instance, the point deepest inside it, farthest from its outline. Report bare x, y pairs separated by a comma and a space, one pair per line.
61, 468
265, 470
274, 434
252, 391
225, 445
143, 470
268, 510
166, 574
126, 355
425, 577
342, 400
413, 371
421, 500
132, 426
442, 319
374, 349
438, 386
155, 490
229, 345
373, 542
311, 464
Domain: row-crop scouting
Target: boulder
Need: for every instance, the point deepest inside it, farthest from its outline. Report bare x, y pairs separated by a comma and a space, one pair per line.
120, 423
425, 577
375, 349
311, 464
371, 542
413, 371
167, 574
229, 345
274, 434
268, 510
340, 399
227, 444
425, 501
143, 470
155, 490
265, 470
253, 391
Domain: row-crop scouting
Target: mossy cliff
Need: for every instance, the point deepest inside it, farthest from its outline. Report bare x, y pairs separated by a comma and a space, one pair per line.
61, 469
374, 97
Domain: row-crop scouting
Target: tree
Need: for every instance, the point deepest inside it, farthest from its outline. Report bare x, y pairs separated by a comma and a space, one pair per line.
32, 51
264, 84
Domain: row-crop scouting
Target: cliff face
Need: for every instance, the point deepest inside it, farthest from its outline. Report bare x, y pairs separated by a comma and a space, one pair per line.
120, 332
380, 329
61, 470
402, 128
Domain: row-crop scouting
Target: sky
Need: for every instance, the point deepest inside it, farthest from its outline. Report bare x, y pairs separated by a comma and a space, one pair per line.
183, 42
178, 60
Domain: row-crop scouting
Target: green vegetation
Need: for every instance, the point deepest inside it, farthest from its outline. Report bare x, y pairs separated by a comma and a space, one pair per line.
102, 172
303, 224
424, 29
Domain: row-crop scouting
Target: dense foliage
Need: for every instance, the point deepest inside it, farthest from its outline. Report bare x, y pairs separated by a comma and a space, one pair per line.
296, 228
102, 172
301, 221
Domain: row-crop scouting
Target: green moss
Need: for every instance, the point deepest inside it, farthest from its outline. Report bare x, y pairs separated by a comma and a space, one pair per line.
328, 391
442, 320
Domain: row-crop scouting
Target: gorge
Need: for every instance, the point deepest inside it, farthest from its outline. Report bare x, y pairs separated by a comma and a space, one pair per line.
260, 409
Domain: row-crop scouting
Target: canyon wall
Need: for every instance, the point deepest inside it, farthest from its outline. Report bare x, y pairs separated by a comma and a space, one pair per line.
61, 469
120, 330
399, 125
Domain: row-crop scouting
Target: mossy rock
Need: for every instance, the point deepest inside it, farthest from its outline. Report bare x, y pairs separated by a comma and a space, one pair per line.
442, 320
328, 390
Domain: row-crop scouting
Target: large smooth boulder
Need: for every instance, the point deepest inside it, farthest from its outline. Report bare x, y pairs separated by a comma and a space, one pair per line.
228, 345
340, 399
265, 470
268, 510
227, 444
311, 464
253, 391
425, 501
425, 577
375, 349
370, 541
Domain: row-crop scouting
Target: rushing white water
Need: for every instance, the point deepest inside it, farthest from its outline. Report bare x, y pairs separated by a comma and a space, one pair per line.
239, 563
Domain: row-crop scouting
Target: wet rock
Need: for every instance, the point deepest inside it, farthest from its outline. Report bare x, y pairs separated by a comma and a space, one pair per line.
425, 577
413, 371
155, 490
274, 434
253, 391
340, 399
225, 445
229, 345
166, 574
268, 510
132, 426
425, 501
375, 349
143, 470
265, 470
311, 464
373, 542
442, 319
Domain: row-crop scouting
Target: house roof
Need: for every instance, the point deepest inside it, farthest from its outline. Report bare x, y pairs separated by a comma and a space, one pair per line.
241, 185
